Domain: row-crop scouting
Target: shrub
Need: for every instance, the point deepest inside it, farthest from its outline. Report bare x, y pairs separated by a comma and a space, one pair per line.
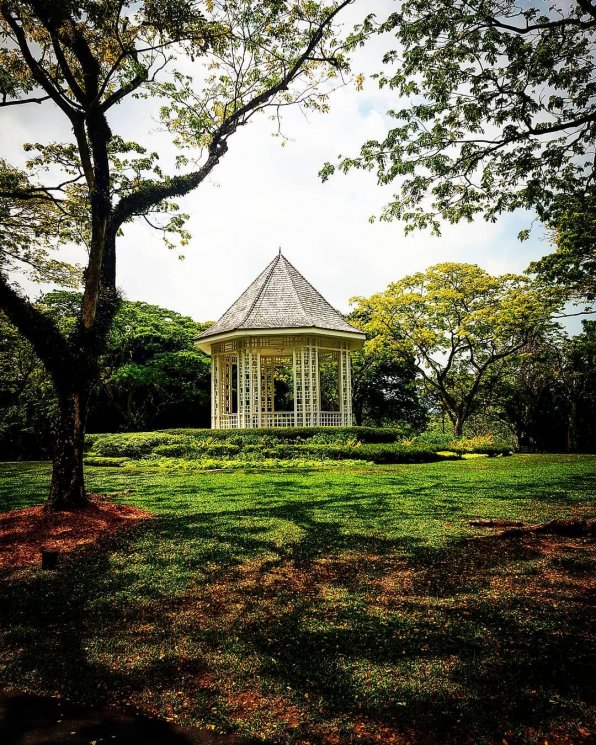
173, 450
106, 462
133, 444
318, 443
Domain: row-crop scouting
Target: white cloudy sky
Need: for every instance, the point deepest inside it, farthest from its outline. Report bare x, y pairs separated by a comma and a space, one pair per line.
262, 196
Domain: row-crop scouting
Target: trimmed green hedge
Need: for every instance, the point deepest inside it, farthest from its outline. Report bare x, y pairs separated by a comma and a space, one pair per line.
314, 443
295, 434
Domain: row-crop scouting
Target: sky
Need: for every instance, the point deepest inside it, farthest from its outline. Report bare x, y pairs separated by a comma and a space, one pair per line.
263, 196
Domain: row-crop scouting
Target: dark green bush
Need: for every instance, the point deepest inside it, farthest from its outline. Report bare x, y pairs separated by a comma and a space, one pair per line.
377, 453
293, 434
319, 443
174, 450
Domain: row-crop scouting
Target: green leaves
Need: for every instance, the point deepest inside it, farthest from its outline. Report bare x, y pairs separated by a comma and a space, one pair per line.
495, 109
460, 324
257, 47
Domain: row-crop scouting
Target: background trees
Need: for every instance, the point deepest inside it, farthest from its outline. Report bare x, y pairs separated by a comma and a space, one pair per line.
460, 325
151, 376
84, 59
548, 394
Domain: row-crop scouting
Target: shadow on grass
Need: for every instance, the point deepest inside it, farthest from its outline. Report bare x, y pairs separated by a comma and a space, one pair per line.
209, 618
43, 720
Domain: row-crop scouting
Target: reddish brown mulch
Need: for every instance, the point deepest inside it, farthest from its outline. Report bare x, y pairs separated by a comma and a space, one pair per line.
25, 533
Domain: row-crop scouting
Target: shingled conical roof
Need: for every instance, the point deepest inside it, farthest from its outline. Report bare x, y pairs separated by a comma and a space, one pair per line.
280, 298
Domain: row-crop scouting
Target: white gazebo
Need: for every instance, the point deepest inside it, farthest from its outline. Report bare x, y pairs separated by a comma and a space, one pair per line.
270, 352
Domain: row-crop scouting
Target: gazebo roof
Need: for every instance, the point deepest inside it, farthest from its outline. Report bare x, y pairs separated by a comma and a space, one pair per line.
280, 298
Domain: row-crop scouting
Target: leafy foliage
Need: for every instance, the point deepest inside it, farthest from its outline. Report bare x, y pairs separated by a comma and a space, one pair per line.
548, 395
495, 108
572, 265
151, 374
460, 325
27, 398
384, 387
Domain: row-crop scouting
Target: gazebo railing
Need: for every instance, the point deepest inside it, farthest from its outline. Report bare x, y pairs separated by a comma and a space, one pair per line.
277, 419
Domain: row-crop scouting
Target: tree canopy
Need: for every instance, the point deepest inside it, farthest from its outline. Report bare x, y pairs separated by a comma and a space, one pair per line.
495, 109
460, 324
572, 265
150, 375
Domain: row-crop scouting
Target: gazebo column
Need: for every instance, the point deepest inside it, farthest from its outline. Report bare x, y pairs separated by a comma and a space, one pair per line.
222, 386
345, 388
267, 391
306, 386
215, 377
249, 388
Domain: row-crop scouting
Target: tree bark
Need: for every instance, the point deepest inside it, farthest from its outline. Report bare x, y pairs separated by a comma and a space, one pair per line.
67, 491
458, 425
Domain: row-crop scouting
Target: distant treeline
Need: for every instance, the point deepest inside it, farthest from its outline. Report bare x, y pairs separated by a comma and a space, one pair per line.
153, 377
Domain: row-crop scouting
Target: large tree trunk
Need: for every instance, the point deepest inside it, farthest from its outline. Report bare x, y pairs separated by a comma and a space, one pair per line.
458, 425
67, 491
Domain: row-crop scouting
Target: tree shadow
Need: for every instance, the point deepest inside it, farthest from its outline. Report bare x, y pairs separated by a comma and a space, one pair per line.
45, 720
458, 643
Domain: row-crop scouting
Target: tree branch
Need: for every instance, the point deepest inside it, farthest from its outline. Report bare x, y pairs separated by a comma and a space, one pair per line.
37, 71
43, 334
4, 103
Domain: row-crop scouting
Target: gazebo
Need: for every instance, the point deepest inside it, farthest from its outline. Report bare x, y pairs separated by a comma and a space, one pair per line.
280, 356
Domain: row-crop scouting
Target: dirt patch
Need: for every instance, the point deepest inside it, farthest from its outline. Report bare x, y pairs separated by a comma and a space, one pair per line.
25, 533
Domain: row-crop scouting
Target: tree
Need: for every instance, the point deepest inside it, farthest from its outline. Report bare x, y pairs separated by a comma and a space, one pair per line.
150, 375
460, 324
529, 399
495, 109
26, 398
548, 394
85, 58
384, 389
572, 265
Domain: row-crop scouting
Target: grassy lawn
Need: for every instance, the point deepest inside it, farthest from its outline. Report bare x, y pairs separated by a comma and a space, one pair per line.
337, 605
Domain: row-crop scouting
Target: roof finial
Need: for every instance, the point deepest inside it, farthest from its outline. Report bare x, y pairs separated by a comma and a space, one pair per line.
279, 254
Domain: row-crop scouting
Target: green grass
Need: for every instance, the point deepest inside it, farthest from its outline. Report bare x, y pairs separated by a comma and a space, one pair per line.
304, 605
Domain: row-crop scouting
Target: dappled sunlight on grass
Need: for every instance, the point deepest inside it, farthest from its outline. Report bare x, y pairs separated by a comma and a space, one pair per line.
329, 606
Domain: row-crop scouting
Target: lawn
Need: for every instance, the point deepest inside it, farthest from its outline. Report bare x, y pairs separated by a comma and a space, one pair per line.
344, 604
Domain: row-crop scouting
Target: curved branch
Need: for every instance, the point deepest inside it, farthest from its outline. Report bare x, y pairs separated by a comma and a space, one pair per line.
152, 193
37, 71
4, 103
38, 328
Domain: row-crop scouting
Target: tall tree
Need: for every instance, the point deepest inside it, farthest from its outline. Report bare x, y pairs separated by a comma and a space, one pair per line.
548, 395
85, 58
384, 386
461, 325
495, 109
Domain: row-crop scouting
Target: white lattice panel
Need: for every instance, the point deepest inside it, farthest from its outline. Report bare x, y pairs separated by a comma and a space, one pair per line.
243, 382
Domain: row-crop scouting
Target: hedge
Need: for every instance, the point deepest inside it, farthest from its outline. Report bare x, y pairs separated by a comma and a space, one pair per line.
319, 443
